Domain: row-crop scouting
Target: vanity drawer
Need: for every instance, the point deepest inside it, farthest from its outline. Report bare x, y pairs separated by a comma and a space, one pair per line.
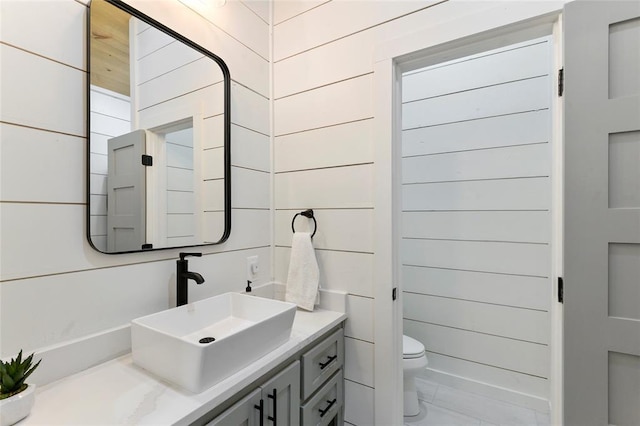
321, 362
326, 404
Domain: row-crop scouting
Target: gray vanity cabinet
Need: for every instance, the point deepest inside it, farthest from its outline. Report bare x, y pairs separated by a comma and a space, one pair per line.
308, 391
281, 396
243, 413
277, 400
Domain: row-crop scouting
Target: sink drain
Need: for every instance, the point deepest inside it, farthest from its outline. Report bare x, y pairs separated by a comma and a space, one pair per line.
207, 340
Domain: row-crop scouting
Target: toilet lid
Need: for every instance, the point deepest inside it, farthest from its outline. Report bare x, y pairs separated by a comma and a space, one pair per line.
411, 348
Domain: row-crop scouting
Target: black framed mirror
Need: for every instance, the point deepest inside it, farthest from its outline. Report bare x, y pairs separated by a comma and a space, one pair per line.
158, 146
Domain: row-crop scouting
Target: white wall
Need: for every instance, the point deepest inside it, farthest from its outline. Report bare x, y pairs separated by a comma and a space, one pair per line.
323, 109
323, 55
110, 116
54, 287
181, 214
476, 221
324, 150
173, 84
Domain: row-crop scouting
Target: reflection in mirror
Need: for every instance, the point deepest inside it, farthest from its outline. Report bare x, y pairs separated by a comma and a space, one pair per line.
158, 162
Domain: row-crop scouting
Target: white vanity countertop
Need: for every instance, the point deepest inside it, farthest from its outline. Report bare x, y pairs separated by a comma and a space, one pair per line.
120, 393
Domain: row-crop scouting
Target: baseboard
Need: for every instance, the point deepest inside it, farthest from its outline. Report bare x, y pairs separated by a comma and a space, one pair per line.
502, 394
76, 355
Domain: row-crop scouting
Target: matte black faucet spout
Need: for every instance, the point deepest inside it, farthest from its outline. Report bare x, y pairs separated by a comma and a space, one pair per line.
183, 275
193, 276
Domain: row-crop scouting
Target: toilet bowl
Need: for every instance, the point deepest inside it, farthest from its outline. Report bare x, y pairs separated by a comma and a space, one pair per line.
414, 361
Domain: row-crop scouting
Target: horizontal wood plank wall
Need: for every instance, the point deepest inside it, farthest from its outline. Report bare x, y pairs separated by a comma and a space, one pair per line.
170, 77
180, 193
476, 216
110, 116
323, 150
46, 264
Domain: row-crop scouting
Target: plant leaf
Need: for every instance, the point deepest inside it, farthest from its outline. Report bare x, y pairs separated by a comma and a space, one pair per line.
28, 373
19, 373
7, 383
11, 369
14, 373
27, 362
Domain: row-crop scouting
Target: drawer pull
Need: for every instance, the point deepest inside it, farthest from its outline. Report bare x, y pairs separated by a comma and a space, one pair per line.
330, 359
260, 408
274, 418
326, 410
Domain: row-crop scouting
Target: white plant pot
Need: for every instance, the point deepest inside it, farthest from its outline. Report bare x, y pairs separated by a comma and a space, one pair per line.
17, 407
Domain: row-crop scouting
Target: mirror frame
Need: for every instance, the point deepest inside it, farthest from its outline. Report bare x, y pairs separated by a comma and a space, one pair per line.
226, 122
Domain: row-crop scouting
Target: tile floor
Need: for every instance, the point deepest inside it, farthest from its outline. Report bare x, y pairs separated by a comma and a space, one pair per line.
445, 406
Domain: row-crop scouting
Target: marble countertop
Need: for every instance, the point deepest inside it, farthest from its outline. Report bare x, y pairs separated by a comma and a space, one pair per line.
120, 393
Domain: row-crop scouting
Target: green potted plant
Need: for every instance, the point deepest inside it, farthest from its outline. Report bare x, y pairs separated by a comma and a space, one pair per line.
16, 396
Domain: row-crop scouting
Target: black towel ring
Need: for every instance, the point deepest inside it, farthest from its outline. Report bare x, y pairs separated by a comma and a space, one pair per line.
308, 214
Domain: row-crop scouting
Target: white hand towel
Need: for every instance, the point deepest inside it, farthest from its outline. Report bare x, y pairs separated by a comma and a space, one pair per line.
303, 278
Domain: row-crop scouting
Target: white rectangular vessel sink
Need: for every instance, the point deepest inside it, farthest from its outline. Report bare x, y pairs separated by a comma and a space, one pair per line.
197, 345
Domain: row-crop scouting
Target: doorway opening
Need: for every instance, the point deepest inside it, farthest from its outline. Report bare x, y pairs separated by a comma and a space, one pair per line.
476, 235
174, 217
466, 213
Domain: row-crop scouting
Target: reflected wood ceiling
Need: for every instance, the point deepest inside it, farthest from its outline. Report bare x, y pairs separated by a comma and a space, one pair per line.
109, 47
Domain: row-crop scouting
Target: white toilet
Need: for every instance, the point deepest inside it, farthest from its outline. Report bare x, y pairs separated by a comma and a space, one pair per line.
414, 361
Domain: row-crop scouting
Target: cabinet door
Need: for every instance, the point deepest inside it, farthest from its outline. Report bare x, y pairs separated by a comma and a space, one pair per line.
246, 412
281, 397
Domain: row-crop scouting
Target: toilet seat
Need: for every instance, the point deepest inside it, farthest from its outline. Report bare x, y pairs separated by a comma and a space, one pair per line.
411, 348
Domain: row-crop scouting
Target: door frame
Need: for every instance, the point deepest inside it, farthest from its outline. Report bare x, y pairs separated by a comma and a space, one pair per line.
157, 125
487, 29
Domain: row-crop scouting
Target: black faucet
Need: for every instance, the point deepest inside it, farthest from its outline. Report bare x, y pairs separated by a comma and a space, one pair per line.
183, 275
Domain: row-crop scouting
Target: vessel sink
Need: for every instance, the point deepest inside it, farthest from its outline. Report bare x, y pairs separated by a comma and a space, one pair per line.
197, 345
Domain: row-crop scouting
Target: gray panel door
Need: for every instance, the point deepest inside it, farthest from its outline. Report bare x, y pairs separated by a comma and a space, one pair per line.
602, 213
126, 192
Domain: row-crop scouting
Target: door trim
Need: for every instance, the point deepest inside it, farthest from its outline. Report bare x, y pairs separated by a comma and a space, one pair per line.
470, 34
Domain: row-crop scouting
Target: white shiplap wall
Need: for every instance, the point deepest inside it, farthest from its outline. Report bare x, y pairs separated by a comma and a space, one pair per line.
323, 110
174, 84
323, 53
324, 151
46, 265
181, 198
476, 248
110, 116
